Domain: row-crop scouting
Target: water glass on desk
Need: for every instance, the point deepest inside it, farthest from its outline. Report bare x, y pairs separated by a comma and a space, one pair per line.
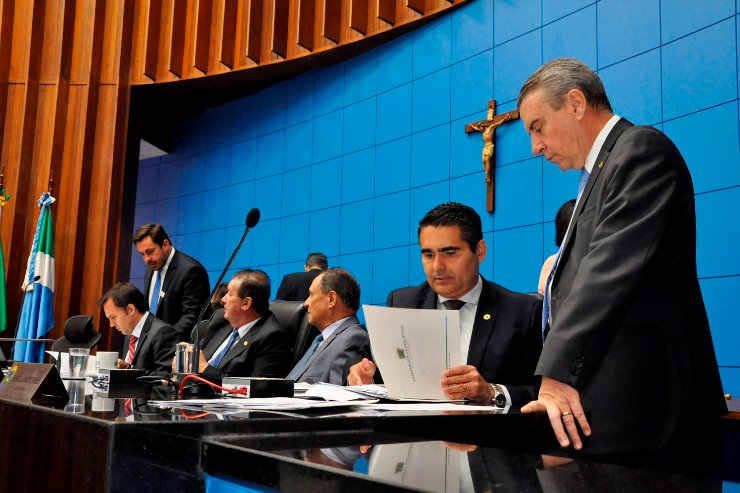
78, 361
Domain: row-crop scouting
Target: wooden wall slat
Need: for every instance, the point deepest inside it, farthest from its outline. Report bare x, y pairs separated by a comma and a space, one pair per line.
333, 20
387, 11
280, 28
164, 56
154, 25
179, 18
254, 45
240, 33
307, 23
215, 38
228, 35
202, 35
359, 18
417, 6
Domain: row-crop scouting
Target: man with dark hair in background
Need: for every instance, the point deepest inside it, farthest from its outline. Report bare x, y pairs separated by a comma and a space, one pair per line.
245, 339
333, 301
175, 285
149, 343
500, 335
295, 286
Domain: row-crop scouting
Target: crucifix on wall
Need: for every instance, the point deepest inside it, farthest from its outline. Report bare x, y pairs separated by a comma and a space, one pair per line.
487, 128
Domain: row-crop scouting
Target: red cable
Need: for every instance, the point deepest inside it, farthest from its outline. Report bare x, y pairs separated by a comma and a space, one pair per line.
241, 390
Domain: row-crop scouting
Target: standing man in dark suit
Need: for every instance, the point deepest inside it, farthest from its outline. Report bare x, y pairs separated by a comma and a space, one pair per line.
295, 286
175, 284
628, 336
499, 330
333, 301
149, 343
252, 344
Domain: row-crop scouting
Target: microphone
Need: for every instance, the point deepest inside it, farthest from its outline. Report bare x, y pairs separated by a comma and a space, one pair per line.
20, 311
253, 217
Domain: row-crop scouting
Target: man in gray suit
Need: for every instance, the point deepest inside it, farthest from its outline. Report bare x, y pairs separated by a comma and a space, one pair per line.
150, 342
333, 299
627, 334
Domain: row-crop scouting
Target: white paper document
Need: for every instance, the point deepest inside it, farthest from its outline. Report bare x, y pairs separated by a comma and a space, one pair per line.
412, 348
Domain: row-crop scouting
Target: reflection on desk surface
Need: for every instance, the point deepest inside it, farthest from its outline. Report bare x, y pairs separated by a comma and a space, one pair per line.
438, 466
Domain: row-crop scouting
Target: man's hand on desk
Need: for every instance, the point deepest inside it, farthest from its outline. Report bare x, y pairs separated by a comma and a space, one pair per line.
563, 406
362, 373
464, 382
122, 365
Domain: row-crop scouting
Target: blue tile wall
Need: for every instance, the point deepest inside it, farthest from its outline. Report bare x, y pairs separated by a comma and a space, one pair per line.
473, 85
358, 175
432, 47
430, 155
572, 36
394, 113
346, 159
475, 19
626, 28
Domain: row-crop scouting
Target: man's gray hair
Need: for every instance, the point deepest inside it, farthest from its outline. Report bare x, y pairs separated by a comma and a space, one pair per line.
557, 77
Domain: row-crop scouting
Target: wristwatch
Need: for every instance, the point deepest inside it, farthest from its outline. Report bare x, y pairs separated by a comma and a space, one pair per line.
499, 397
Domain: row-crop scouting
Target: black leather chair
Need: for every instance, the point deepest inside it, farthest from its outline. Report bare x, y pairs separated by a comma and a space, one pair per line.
78, 332
293, 317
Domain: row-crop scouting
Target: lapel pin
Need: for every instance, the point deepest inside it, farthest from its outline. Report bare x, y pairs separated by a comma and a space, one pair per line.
601, 164
487, 316
246, 343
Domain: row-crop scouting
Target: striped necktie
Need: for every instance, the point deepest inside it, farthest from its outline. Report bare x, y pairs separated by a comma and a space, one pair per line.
131, 349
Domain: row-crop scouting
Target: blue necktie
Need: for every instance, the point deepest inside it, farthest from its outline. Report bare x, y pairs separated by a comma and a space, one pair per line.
216, 362
300, 367
546, 299
154, 297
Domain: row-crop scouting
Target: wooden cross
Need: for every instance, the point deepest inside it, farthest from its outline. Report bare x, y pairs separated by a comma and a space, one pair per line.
487, 128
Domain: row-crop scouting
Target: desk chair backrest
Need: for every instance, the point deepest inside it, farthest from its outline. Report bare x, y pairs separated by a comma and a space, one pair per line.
78, 332
293, 317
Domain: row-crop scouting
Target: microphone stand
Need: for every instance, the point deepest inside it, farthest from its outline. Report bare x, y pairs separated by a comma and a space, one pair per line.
253, 218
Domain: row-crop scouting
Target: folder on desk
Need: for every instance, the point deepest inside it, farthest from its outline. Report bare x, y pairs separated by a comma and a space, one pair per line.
412, 348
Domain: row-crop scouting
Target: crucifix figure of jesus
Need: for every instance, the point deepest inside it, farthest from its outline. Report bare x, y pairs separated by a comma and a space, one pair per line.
487, 128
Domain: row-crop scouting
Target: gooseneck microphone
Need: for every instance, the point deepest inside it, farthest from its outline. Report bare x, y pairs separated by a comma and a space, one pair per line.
20, 311
253, 217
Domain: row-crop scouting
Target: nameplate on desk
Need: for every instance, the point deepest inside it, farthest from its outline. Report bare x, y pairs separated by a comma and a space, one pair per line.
32, 382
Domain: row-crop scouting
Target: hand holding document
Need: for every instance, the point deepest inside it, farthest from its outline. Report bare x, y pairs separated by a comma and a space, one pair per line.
412, 348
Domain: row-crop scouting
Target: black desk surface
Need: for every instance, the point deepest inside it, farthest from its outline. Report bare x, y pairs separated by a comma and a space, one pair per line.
155, 449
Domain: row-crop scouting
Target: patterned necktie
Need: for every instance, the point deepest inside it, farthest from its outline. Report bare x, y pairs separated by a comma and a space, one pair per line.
216, 362
546, 299
131, 349
300, 367
154, 297
453, 304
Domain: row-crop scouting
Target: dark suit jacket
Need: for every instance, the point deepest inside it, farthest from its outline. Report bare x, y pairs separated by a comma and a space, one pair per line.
265, 351
155, 348
295, 286
504, 348
186, 288
629, 329
349, 342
